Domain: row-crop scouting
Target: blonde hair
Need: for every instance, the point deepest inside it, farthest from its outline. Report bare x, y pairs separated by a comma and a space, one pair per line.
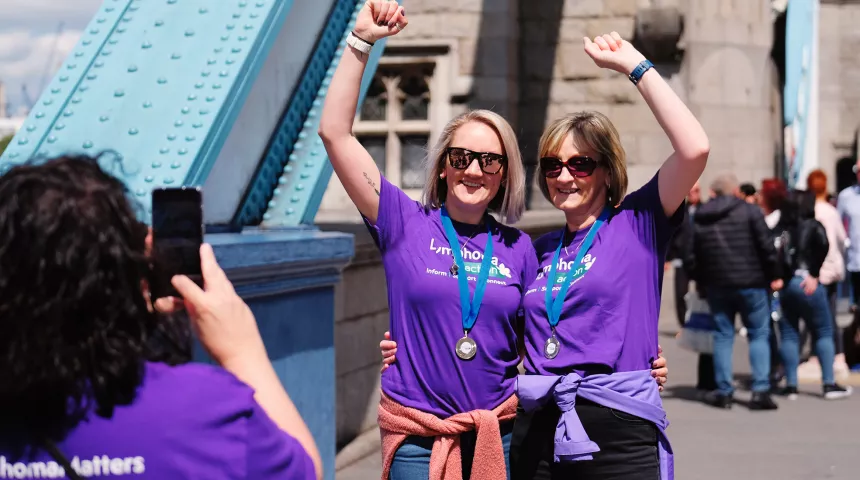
510, 200
595, 131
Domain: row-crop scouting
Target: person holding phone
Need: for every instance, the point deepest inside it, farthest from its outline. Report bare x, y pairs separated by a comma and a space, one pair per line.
96, 381
455, 277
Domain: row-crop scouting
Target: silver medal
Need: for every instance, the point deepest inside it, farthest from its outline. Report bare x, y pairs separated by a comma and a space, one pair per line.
551, 348
466, 348
454, 269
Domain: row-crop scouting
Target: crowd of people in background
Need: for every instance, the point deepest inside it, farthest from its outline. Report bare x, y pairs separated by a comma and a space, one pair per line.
777, 257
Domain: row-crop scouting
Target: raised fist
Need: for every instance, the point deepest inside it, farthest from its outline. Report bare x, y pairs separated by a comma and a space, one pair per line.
379, 19
611, 51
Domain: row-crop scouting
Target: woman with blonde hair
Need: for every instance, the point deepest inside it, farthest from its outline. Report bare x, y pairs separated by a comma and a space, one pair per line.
455, 278
590, 408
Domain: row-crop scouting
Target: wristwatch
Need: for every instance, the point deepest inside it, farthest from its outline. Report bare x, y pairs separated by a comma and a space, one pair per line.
640, 70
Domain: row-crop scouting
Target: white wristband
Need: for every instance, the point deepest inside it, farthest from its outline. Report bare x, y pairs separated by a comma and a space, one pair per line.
358, 44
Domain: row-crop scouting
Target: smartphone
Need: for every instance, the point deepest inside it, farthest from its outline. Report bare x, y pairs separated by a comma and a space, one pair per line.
177, 233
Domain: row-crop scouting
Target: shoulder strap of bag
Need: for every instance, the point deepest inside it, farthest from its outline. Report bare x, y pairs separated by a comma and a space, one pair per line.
57, 455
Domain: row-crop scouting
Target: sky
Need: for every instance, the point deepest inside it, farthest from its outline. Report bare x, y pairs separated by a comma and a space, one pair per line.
28, 34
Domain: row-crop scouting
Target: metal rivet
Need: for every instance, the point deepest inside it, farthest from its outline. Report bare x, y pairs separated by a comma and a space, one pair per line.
178, 123
83, 88
86, 42
133, 8
171, 2
120, 30
71, 66
92, 76
272, 203
254, 15
293, 157
198, 85
147, 104
277, 191
218, 50
197, 125
175, 165
127, 18
223, 73
290, 211
30, 128
22, 141
161, 80
190, 138
229, 61
118, 93
156, 164
168, 180
88, 144
282, 181
189, 33
224, 38
52, 139
182, 151
260, 4
309, 164
204, 111
113, 41
304, 175
295, 199
303, 135
230, 26
146, 45
140, 192
176, 56
314, 153
132, 131
210, 98
163, 150
267, 216
248, 27
205, 73
171, 137
211, 61
109, 9
64, 78
298, 146
300, 187
94, 31
237, 15
159, 23
79, 54
103, 118
185, 110
47, 102
216, 86
59, 126
68, 113
203, 10
288, 168
132, 68
243, 4
192, 97
40, 114
149, 179
242, 38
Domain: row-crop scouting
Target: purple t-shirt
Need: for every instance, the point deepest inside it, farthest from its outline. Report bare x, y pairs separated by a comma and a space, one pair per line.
611, 311
189, 421
424, 300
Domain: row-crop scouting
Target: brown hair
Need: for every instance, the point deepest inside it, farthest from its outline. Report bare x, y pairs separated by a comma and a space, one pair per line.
595, 131
816, 182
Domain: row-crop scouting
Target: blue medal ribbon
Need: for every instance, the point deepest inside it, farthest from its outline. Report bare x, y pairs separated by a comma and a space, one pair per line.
469, 310
553, 306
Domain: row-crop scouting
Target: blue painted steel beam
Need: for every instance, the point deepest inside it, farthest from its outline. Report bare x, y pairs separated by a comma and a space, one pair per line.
291, 181
159, 82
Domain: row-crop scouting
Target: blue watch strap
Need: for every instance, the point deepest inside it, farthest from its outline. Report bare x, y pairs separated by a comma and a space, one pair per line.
640, 70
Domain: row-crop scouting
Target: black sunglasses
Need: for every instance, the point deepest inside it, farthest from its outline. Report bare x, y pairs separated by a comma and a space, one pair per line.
578, 166
461, 158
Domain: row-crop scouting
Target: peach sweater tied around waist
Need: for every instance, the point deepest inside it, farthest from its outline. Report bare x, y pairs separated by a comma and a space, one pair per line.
397, 422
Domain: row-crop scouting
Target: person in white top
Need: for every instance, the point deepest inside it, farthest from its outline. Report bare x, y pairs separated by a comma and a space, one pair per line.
833, 269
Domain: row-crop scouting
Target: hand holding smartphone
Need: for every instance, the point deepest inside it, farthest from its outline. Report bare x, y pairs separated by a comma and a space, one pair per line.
177, 233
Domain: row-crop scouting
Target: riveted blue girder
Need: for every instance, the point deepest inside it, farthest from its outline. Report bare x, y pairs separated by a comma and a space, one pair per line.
295, 170
160, 82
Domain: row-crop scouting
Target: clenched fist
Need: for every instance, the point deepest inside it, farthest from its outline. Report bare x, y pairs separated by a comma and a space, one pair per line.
379, 19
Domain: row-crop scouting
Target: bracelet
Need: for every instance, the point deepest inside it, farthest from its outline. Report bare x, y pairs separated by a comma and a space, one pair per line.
358, 43
640, 70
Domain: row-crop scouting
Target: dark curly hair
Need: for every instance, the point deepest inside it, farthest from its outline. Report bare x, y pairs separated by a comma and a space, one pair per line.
75, 327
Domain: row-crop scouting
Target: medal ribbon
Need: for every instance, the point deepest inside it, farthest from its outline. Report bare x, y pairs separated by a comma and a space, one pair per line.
553, 306
469, 311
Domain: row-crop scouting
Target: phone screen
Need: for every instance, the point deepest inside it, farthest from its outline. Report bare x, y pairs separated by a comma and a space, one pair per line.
177, 233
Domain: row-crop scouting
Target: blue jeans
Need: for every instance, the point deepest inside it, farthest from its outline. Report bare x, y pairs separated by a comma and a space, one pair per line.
815, 311
412, 459
754, 307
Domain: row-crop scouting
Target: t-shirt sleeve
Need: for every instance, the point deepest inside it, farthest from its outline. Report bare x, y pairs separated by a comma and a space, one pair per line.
273, 453
395, 208
647, 216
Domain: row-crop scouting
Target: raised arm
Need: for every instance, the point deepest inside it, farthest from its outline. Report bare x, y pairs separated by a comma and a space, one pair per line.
351, 162
681, 170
